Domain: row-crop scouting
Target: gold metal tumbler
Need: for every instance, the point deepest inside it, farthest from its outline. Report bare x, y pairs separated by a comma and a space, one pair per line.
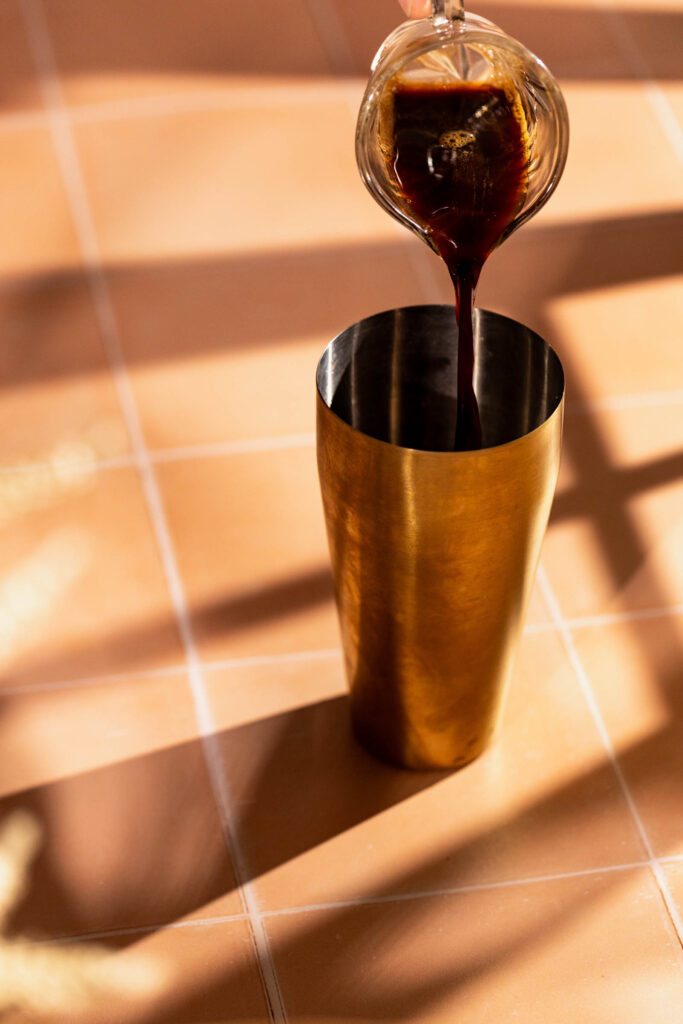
434, 552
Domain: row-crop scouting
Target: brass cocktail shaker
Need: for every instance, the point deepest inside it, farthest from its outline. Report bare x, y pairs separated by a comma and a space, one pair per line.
434, 552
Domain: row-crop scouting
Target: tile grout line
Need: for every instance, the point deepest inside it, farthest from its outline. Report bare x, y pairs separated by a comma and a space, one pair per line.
232, 98
168, 105
332, 35
288, 658
295, 657
654, 94
671, 858
289, 442
143, 929
79, 467
247, 446
591, 701
364, 901
83, 683
616, 403
618, 618
41, 47
159, 456
457, 890
247, 661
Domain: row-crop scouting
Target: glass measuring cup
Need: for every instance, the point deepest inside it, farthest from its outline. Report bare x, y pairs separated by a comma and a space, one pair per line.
457, 47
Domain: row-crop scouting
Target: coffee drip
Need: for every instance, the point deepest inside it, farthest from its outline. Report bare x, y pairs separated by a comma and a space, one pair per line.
462, 136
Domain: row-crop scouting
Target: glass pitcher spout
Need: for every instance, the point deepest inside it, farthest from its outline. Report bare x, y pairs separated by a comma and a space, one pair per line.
457, 50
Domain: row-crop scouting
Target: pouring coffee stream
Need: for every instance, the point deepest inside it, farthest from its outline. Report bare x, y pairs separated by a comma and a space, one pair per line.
460, 157
462, 136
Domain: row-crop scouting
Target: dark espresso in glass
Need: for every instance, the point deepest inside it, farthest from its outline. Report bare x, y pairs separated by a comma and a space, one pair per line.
459, 153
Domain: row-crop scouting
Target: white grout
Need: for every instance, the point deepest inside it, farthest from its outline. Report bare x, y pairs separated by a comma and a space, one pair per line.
331, 33
456, 890
619, 618
646, 400
110, 679
145, 929
589, 697
290, 658
365, 901
221, 665
285, 442
664, 113
325, 91
75, 466
354, 902
654, 94
39, 41
235, 97
217, 449
182, 453
324, 654
606, 619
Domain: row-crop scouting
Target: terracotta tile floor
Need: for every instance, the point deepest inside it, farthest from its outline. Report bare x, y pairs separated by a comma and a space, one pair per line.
184, 230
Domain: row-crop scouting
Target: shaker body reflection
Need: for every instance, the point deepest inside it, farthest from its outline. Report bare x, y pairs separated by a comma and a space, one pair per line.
433, 552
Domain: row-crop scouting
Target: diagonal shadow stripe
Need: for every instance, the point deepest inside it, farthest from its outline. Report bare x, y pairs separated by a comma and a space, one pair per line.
159, 307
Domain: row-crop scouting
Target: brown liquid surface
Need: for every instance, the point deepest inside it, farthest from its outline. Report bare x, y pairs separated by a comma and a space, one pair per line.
459, 155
